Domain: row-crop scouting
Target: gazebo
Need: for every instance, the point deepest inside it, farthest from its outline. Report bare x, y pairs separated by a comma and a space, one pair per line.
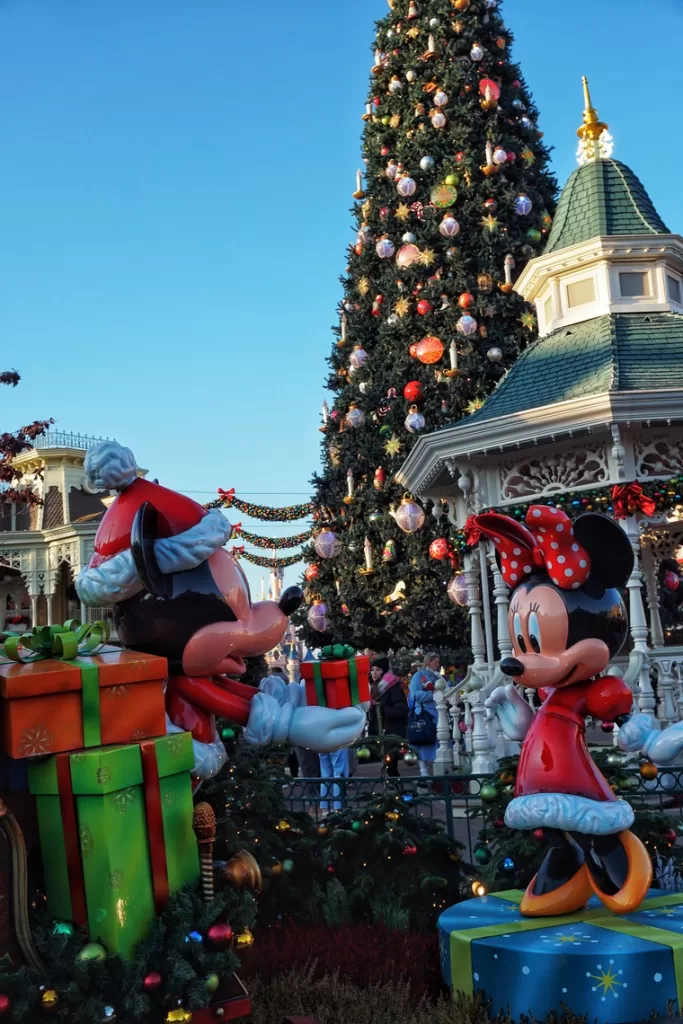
590, 417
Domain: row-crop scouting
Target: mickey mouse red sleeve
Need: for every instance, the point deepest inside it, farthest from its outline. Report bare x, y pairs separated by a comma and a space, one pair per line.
607, 698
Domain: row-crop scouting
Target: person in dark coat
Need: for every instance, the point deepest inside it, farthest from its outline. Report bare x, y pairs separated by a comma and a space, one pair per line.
389, 707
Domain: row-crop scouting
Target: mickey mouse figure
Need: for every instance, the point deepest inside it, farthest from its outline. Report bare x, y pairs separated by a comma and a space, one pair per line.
567, 621
160, 561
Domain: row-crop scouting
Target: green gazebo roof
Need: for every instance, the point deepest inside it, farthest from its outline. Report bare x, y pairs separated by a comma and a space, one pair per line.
619, 353
604, 197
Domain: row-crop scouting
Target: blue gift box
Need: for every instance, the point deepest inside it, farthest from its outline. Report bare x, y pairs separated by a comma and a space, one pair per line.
615, 970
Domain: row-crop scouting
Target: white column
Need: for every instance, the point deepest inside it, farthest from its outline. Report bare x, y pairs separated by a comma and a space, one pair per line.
477, 640
444, 757
482, 758
650, 574
50, 599
84, 613
486, 608
501, 597
644, 697
667, 711
34, 610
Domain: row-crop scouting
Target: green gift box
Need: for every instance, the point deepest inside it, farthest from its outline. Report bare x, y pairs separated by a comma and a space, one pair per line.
116, 835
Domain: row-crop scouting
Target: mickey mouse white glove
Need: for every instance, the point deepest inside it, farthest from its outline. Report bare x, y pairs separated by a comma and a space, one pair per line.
642, 733
278, 713
512, 711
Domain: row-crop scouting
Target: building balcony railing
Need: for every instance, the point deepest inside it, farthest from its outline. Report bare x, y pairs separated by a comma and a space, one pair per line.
65, 439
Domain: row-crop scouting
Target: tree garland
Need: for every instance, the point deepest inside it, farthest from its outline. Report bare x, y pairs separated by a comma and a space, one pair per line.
267, 563
651, 499
288, 514
270, 543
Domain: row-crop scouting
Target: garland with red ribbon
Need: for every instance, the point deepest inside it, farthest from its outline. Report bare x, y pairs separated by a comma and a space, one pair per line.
287, 514
630, 499
270, 543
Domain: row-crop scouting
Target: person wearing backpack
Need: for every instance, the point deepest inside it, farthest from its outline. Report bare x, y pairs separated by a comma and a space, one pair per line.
422, 717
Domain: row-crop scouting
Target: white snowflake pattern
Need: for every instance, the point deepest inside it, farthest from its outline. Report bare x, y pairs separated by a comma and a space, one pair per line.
607, 981
573, 938
35, 741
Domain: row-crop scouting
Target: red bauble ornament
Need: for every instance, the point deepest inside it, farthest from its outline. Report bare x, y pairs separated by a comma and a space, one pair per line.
459, 157
428, 351
439, 549
219, 935
409, 851
424, 306
412, 392
331, 870
152, 981
4, 1005
499, 823
607, 726
490, 205
539, 834
511, 157
376, 101
466, 300
385, 151
312, 573
669, 835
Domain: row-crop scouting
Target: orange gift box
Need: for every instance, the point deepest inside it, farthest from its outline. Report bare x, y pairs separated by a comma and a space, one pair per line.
337, 683
50, 706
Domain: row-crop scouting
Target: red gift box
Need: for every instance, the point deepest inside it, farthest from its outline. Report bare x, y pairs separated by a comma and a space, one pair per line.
337, 682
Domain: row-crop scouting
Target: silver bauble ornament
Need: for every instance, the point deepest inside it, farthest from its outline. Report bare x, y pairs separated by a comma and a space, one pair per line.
495, 354
427, 163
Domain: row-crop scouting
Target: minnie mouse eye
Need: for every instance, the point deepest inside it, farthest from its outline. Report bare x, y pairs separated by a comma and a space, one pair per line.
534, 633
517, 626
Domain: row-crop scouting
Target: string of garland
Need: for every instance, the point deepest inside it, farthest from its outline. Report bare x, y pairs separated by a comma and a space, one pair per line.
650, 499
267, 563
287, 514
270, 543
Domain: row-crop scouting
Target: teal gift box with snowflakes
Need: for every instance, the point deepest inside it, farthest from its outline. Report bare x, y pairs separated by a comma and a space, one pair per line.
610, 969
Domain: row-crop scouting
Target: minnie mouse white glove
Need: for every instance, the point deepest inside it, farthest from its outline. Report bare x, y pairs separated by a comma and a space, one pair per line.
278, 713
512, 711
642, 733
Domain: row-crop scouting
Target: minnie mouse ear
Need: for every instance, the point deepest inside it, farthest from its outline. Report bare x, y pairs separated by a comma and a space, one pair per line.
143, 534
609, 548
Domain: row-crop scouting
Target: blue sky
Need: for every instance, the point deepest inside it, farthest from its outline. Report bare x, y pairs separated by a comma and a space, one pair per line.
175, 180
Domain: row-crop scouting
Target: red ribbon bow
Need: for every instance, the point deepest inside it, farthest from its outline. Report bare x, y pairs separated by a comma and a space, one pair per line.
472, 531
629, 499
227, 496
548, 544
237, 551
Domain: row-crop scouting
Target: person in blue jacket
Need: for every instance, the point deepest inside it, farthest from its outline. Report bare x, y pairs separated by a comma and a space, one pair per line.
421, 700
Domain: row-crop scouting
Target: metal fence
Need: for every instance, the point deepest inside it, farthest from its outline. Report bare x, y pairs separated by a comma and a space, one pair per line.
64, 439
455, 800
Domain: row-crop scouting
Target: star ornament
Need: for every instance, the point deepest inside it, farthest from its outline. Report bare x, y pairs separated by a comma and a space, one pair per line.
363, 286
393, 446
528, 320
402, 307
413, 32
490, 223
427, 258
402, 212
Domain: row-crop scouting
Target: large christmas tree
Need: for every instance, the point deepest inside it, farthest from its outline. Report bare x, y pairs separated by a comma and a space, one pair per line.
456, 199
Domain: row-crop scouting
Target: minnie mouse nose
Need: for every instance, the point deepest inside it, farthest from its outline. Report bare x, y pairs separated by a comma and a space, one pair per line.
290, 600
511, 667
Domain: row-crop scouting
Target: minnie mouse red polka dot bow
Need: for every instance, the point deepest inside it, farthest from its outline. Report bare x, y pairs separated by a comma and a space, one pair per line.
548, 544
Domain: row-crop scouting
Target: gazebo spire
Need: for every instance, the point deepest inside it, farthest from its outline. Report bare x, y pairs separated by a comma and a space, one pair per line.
595, 143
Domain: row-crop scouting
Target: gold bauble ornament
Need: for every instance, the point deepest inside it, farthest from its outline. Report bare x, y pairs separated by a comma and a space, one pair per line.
245, 939
243, 872
649, 771
283, 826
49, 1000
178, 1016
392, 815
323, 830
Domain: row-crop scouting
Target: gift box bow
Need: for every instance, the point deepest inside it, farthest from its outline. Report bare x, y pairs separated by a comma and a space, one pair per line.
64, 642
461, 941
337, 652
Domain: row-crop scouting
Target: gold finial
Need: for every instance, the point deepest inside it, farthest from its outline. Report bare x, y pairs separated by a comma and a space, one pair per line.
596, 141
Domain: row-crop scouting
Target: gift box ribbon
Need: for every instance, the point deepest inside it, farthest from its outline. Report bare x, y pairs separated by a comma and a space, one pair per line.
155, 832
66, 643
337, 652
461, 941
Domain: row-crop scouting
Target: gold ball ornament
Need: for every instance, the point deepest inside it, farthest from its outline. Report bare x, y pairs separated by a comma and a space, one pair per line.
49, 1000
283, 826
648, 771
243, 872
245, 939
322, 830
392, 815
178, 1016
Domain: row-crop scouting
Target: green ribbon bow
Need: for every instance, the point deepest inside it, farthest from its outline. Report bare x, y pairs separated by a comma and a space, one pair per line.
336, 652
65, 642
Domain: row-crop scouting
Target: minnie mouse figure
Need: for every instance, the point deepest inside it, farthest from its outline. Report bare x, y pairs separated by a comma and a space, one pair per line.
159, 560
567, 621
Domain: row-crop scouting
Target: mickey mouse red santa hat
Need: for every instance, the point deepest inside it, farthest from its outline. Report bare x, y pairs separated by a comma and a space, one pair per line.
159, 560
